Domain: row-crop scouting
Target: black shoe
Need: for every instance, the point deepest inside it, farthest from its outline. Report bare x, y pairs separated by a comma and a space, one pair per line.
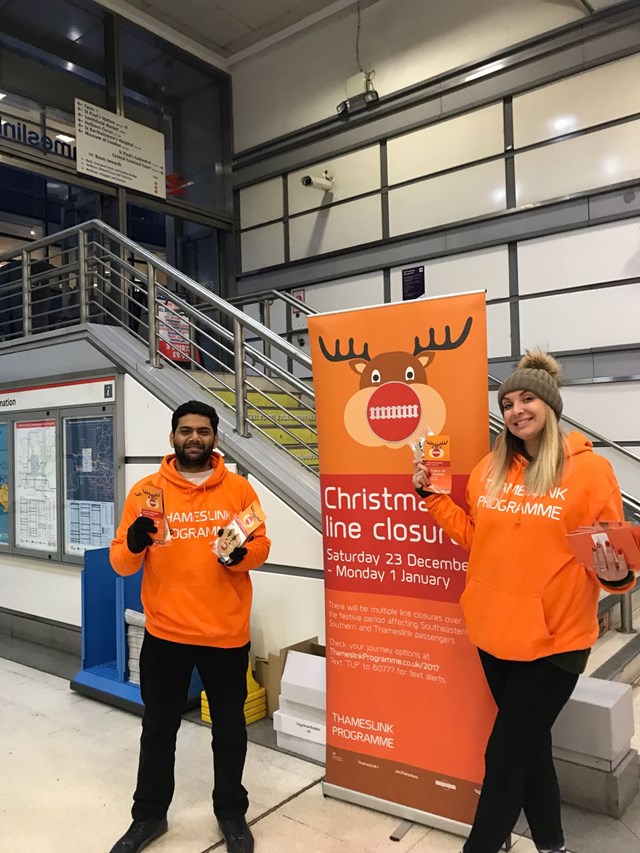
140, 834
237, 835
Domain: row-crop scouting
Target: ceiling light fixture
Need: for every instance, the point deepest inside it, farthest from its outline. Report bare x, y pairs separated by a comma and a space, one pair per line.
64, 138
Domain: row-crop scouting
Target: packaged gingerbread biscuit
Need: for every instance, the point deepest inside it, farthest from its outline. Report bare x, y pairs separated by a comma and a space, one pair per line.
238, 531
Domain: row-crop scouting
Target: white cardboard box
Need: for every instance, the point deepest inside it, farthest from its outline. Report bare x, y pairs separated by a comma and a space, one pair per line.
299, 727
304, 680
303, 712
304, 748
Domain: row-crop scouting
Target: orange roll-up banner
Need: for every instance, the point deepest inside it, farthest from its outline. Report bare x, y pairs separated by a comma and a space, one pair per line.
408, 709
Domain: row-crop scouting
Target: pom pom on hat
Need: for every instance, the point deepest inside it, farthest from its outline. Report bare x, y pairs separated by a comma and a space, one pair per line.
539, 373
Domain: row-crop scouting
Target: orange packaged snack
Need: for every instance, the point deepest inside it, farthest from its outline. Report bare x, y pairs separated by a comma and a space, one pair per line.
622, 536
239, 530
151, 505
435, 452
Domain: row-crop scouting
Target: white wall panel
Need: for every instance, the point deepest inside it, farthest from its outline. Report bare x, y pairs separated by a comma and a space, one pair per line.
626, 470
487, 270
359, 291
612, 409
40, 589
448, 198
302, 79
498, 330
138, 470
596, 318
285, 610
294, 542
586, 162
446, 144
336, 228
147, 422
353, 174
261, 203
593, 97
262, 247
590, 255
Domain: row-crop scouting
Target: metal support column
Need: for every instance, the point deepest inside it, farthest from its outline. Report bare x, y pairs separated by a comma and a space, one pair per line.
82, 276
26, 294
152, 315
240, 378
626, 614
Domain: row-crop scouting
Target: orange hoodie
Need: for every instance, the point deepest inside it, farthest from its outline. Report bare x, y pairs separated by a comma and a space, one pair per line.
527, 596
187, 595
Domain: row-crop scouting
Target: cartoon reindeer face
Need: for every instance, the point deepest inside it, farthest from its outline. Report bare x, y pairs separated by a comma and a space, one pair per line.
394, 404
435, 448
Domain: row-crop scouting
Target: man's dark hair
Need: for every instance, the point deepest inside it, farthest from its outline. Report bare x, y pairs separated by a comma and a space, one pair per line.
195, 407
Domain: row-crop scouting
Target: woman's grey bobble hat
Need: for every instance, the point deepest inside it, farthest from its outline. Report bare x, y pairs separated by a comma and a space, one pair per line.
538, 372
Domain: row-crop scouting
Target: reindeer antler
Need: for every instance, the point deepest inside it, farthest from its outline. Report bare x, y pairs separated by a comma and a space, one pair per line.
448, 343
338, 356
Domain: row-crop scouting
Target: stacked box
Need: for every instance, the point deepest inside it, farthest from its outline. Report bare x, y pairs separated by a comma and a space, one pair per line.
269, 670
300, 721
135, 622
255, 708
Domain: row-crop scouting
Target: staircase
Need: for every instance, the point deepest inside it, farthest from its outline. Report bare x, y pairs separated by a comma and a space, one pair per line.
283, 416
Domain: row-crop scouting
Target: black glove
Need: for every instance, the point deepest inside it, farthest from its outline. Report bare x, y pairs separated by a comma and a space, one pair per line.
424, 493
138, 537
236, 556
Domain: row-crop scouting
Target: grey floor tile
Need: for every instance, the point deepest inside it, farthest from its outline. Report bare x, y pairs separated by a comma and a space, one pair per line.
55, 662
594, 833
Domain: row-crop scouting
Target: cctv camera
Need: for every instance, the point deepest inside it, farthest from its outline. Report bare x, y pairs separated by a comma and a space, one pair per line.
324, 183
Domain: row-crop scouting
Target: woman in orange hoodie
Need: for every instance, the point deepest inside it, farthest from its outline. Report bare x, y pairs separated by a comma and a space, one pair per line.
530, 607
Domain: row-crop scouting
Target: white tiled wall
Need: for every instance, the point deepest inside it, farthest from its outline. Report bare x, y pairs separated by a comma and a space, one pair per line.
447, 198
592, 97
597, 159
596, 318
352, 174
263, 247
336, 228
498, 330
487, 270
449, 143
589, 255
261, 203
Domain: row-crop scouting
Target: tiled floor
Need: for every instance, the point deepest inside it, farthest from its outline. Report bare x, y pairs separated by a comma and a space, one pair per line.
67, 769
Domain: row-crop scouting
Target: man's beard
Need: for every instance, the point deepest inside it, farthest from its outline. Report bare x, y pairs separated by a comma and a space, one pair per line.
192, 460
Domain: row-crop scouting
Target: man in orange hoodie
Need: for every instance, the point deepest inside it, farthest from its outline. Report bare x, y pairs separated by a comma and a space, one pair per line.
197, 615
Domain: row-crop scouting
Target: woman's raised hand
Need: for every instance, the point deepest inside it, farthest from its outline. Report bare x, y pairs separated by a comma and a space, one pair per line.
421, 477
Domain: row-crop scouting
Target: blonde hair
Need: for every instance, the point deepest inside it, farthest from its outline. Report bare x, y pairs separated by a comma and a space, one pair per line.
544, 472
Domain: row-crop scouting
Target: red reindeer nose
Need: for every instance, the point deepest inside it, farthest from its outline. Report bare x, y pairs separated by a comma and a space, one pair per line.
393, 411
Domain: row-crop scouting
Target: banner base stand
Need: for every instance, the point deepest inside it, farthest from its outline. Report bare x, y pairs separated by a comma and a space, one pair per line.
399, 833
396, 809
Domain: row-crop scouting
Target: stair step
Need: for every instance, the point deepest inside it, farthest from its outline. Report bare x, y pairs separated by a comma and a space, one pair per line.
263, 383
298, 435
299, 418
304, 455
259, 400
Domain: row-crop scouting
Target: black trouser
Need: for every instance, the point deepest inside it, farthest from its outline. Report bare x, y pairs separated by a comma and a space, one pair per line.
519, 771
165, 673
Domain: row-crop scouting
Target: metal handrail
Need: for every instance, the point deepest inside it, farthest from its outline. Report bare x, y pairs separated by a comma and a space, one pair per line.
274, 295
100, 284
